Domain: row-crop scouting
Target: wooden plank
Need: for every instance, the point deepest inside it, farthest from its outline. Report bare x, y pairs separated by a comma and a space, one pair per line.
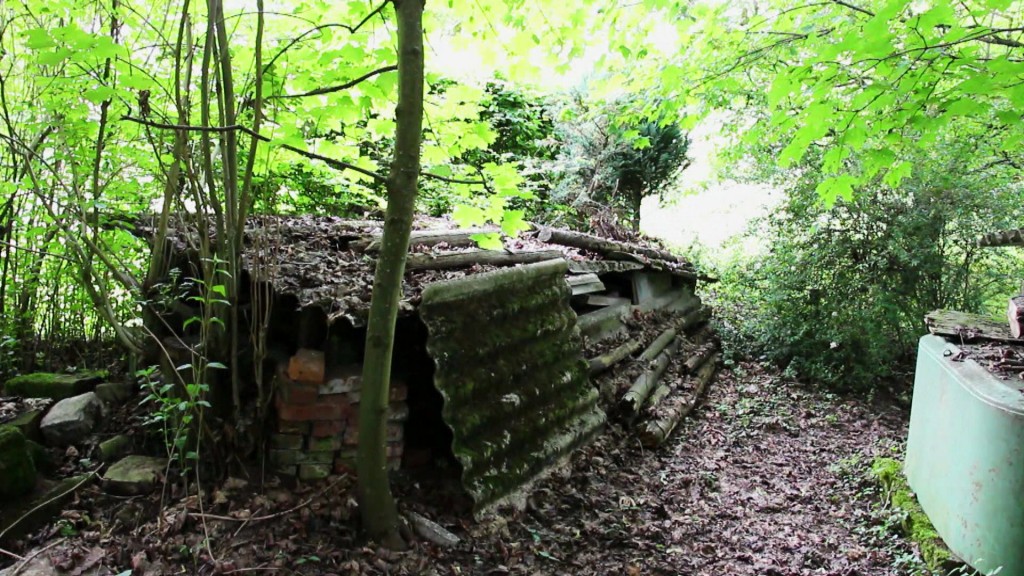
585, 284
605, 300
602, 266
962, 327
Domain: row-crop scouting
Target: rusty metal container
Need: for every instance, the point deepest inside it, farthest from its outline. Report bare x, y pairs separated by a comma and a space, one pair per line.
965, 458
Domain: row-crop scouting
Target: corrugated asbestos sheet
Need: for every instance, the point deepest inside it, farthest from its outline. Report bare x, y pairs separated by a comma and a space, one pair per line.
511, 369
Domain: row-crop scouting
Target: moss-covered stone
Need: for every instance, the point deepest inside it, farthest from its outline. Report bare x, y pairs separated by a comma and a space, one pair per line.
17, 473
916, 526
55, 386
114, 448
28, 423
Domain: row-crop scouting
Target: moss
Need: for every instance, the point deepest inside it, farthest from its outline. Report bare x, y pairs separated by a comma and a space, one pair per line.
55, 386
915, 525
17, 474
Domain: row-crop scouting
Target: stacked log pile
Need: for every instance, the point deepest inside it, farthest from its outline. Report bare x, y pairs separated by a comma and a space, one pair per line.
670, 373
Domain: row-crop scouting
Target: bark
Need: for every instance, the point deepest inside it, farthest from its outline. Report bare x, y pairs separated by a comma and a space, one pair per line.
672, 411
609, 359
376, 504
1015, 315
451, 260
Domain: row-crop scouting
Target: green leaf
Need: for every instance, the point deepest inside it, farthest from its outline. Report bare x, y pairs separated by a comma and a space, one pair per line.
38, 39
489, 241
99, 94
468, 216
831, 189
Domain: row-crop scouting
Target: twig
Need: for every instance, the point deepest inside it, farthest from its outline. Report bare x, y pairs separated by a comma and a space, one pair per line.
29, 558
44, 504
11, 554
301, 505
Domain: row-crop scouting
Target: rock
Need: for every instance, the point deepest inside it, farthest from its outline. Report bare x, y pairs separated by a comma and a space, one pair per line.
55, 386
71, 419
134, 475
28, 423
114, 448
17, 472
432, 531
114, 393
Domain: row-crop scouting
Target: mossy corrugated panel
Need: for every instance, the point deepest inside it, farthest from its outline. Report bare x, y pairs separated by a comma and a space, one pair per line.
510, 366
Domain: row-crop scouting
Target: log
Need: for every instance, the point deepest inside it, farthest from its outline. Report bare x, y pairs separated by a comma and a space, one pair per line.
659, 343
1015, 316
600, 245
700, 357
694, 317
656, 430
658, 395
453, 238
609, 359
451, 260
681, 270
634, 398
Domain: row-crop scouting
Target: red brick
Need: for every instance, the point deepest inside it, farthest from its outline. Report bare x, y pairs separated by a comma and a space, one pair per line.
307, 367
310, 412
328, 428
395, 450
398, 392
351, 435
295, 393
395, 432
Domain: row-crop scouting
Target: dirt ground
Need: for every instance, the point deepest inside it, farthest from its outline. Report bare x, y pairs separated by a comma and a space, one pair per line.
765, 478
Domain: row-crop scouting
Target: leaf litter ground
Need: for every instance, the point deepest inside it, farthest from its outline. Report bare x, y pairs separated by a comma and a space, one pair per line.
765, 478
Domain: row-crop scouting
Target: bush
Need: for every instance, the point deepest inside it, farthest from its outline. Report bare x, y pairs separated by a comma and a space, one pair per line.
840, 295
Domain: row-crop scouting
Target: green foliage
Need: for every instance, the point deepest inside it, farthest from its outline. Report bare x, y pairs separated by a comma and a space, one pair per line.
840, 294
867, 81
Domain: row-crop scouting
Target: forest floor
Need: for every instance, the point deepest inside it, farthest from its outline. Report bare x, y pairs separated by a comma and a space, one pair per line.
766, 478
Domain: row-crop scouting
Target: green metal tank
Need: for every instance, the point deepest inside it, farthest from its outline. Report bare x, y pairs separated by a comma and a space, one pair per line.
965, 458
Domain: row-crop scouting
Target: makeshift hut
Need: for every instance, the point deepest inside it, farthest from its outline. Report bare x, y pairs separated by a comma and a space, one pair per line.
494, 348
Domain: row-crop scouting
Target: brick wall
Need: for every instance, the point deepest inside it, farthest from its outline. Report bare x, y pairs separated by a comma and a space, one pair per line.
318, 418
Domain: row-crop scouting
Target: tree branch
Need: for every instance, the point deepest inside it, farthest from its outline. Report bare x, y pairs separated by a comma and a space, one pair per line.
332, 162
339, 87
300, 37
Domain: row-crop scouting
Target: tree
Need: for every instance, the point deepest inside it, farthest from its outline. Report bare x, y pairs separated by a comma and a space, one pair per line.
643, 168
611, 157
377, 506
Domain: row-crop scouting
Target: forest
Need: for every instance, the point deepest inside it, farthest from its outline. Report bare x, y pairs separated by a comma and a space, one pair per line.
511, 287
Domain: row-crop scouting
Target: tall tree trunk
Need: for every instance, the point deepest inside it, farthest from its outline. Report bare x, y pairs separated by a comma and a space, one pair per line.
636, 198
377, 506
